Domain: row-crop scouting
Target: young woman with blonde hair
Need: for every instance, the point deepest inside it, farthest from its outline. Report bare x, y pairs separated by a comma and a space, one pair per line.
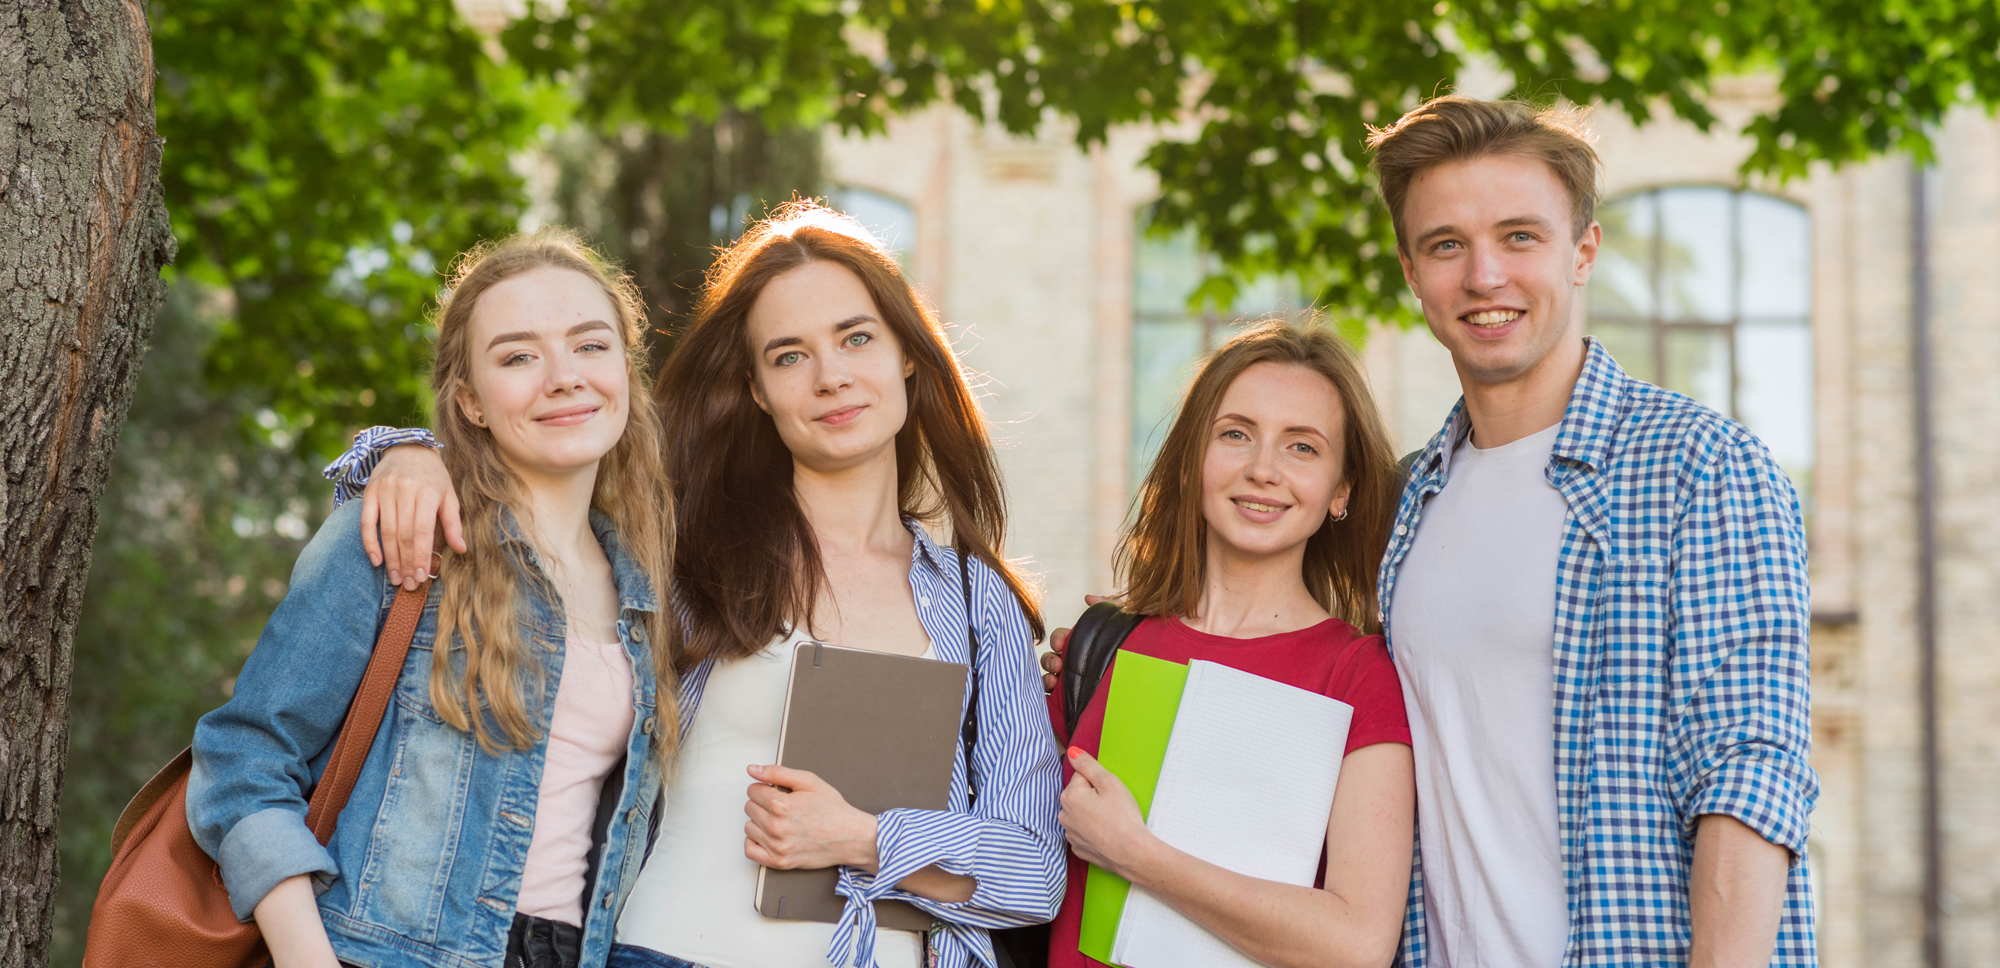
817, 424
1257, 535
503, 804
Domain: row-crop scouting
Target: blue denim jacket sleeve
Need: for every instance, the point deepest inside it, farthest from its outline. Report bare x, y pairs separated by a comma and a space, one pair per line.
254, 757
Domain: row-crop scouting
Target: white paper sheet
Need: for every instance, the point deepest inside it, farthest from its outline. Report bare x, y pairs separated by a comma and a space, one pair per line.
1247, 785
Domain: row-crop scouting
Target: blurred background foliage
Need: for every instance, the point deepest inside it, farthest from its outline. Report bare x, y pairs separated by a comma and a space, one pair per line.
326, 158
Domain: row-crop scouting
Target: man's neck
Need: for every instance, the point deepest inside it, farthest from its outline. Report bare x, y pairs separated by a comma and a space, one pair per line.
1536, 400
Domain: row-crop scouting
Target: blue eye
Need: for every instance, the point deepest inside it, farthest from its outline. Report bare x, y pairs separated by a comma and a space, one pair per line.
787, 359
1305, 448
593, 346
513, 358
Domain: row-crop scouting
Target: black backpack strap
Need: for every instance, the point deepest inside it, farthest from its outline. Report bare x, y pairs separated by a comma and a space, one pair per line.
1098, 633
968, 732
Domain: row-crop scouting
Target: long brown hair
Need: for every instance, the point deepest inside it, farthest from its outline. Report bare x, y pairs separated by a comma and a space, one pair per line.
1163, 554
748, 564
478, 601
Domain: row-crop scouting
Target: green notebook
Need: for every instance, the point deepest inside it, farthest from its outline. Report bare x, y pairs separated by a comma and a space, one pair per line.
1139, 711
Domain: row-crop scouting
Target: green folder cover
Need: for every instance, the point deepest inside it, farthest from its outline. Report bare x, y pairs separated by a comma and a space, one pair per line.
1139, 716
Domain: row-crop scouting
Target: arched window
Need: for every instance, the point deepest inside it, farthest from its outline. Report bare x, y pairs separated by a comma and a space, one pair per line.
1708, 291
892, 221
1169, 339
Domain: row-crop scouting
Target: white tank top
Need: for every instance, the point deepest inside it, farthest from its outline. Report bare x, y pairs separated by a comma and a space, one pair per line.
588, 732
696, 896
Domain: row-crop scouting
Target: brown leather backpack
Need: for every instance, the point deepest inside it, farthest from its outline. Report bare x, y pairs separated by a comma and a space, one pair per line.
162, 903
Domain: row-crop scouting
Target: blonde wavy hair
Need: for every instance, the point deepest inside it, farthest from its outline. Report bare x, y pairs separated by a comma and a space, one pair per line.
478, 596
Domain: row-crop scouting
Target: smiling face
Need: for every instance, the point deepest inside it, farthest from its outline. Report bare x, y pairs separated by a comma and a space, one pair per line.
1492, 252
549, 378
1273, 468
827, 368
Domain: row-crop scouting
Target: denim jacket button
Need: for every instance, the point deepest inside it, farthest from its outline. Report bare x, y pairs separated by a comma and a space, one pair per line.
638, 632
607, 900
647, 726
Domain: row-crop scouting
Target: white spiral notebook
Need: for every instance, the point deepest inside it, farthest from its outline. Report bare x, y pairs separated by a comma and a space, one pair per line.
1247, 785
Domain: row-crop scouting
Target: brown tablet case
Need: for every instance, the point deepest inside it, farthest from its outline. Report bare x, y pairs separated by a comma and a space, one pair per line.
883, 730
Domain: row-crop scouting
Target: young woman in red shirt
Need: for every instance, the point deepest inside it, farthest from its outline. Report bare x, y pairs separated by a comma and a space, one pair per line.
1258, 534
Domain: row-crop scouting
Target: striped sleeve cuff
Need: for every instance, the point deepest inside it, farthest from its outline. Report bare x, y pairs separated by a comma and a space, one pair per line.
350, 471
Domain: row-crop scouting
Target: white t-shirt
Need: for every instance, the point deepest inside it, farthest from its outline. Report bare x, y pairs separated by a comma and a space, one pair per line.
696, 898
1473, 628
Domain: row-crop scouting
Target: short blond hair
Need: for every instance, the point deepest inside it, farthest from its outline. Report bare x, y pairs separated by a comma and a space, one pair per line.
1459, 128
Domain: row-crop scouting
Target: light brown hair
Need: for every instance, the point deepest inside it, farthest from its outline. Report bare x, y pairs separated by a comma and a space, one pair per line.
478, 601
1163, 555
748, 563
1459, 128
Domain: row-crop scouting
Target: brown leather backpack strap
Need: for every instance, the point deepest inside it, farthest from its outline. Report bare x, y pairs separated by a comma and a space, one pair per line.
364, 717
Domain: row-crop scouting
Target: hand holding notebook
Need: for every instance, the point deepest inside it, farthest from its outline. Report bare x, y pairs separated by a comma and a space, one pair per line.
1232, 768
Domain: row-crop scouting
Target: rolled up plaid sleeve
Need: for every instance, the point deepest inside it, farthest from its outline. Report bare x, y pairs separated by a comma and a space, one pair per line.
1741, 673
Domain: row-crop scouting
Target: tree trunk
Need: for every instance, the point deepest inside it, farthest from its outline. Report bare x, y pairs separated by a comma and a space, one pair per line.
83, 234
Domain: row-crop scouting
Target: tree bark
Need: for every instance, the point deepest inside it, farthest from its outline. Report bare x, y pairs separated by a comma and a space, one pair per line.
83, 234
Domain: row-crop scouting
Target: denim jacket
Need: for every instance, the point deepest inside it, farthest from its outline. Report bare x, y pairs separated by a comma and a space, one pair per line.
426, 862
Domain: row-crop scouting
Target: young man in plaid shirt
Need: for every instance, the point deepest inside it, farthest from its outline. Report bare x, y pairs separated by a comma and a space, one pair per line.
1596, 596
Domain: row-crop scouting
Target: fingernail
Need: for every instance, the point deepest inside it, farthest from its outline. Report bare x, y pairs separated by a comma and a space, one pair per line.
1074, 752
395, 577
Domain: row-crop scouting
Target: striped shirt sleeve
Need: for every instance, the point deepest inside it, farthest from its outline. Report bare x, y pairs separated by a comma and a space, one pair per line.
1009, 842
350, 471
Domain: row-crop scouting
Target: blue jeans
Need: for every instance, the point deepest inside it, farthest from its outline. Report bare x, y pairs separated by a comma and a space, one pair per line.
633, 956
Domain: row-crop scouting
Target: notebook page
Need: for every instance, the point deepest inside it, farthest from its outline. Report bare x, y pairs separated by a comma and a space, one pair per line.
1247, 785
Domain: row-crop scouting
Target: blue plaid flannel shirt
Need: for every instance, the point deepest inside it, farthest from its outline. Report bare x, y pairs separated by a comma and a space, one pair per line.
1682, 685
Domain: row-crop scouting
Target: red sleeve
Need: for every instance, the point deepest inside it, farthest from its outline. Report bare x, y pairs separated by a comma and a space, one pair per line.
1368, 682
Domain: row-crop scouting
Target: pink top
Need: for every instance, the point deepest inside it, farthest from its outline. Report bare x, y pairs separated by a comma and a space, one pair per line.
587, 734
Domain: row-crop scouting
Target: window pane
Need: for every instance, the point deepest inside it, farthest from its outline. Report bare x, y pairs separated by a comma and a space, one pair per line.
1774, 391
1631, 344
890, 220
1777, 258
1265, 296
1163, 354
1696, 255
1698, 364
1165, 272
1622, 283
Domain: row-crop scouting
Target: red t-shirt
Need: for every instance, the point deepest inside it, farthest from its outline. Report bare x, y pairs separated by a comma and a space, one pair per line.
1331, 658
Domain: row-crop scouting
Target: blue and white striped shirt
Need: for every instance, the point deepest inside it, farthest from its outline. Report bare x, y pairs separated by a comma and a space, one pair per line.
1009, 841
1682, 685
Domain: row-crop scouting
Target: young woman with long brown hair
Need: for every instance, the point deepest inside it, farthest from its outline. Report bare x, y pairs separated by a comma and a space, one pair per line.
504, 797
1255, 544
817, 422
